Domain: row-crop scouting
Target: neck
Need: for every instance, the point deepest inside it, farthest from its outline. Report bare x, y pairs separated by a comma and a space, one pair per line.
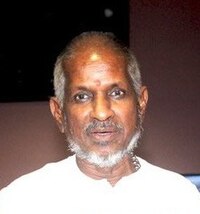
125, 167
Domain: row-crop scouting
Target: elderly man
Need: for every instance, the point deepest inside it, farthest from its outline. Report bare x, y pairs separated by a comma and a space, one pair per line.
99, 105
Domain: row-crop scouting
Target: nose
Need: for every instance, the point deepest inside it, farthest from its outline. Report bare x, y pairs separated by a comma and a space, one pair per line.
102, 109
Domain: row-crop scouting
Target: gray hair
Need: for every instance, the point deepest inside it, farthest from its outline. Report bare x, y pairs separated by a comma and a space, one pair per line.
105, 39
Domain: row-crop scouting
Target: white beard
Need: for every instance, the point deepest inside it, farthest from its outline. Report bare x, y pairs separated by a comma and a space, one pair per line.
104, 161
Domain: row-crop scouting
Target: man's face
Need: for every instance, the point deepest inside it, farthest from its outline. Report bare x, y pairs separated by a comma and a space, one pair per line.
100, 108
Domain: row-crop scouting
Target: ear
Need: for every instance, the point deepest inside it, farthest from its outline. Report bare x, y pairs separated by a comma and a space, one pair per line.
143, 99
56, 111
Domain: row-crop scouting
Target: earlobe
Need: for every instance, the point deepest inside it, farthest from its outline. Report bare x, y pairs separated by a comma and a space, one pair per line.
57, 113
143, 99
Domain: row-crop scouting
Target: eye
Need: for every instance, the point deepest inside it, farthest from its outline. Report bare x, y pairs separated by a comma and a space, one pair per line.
82, 97
117, 93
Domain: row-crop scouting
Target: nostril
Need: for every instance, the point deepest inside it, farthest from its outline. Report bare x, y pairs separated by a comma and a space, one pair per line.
102, 114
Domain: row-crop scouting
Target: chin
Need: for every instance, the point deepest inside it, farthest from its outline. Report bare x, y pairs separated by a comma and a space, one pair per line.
103, 160
108, 160
100, 159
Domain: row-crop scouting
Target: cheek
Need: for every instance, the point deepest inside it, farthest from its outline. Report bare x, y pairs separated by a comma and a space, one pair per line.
128, 117
76, 119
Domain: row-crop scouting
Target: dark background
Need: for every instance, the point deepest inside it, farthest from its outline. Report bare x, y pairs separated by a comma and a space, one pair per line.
165, 36
32, 35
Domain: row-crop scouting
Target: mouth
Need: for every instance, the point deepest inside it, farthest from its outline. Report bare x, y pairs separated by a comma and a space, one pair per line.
104, 131
104, 135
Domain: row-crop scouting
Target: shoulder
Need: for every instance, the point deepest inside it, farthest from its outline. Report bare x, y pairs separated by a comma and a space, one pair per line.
37, 189
170, 186
42, 176
165, 179
156, 172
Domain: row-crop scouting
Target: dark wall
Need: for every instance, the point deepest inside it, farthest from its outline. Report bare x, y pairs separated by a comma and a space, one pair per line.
165, 38
29, 139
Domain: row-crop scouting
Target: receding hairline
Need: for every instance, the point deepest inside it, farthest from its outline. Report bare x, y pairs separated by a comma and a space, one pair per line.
93, 41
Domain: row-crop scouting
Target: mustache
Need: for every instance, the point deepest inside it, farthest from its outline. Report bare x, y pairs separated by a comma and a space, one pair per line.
103, 125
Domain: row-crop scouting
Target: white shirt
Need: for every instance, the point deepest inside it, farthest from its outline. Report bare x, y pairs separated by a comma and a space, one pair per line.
59, 188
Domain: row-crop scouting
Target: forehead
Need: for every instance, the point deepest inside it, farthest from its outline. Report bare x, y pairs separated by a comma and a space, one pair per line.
96, 65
